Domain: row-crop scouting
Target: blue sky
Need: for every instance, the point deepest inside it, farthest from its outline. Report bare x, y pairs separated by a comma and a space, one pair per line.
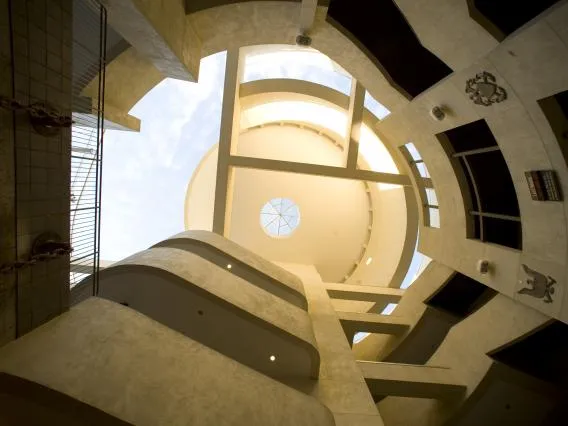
145, 174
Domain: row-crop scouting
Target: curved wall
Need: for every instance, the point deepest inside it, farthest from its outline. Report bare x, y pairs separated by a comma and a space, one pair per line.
243, 263
144, 373
208, 303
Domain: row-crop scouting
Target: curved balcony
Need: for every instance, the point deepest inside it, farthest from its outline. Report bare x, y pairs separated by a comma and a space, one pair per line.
216, 308
242, 263
102, 363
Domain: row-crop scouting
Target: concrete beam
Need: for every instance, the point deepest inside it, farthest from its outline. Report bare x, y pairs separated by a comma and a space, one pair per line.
354, 123
372, 323
159, 31
307, 15
229, 132
318, 170
364, 293
411, 381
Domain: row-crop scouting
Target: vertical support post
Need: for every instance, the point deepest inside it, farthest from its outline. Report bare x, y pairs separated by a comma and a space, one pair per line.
354, 123
307, 15
228, 137
341, 386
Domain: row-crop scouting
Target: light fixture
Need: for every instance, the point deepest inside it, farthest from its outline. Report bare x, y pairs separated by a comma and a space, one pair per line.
369, 260
438, 113
229, 266
272, 358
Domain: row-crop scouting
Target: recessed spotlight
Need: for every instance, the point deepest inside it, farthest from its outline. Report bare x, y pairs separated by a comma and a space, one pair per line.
272, 358
229, 266
369, 260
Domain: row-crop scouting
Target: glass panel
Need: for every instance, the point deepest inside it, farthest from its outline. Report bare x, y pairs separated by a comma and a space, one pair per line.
375, 107
417, 265
434, 218
389, 309
431, 197
359, 336
280, 217
413, 151
504, 232
423, 170
291, 62
494, 183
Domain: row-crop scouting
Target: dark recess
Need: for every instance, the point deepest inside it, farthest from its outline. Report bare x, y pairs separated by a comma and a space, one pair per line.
555, 108
474, 135
503, 17
381, 30
24, 402
490, 197
541, 353
460, 296
494, 183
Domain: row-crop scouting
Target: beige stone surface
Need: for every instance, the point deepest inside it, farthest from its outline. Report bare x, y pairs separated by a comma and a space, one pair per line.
160, 32
373, 323
341, 386
170, 285
142, 372
464, 350
404, 380
376, 347
246, 256
445, 28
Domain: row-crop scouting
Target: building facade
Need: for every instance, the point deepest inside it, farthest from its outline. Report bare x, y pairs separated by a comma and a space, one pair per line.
388, 249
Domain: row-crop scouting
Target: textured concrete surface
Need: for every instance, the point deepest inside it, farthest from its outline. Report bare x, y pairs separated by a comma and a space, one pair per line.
411, 381
244, 263
131, 367
246, 256
376, 347
172, 286
464, 350
341, 385
365, 293
158, 31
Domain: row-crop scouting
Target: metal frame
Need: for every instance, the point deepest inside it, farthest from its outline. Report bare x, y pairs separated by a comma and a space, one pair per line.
87, 143
422, 183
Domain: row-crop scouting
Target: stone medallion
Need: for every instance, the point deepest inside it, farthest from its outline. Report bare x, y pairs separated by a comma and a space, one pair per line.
483, 89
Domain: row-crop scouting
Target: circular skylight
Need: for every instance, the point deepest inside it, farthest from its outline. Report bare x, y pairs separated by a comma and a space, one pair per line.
280, 217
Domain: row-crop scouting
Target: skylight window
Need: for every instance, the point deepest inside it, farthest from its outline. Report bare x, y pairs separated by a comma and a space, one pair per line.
280, 217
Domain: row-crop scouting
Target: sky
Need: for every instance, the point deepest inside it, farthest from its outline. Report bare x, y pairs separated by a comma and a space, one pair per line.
146, 174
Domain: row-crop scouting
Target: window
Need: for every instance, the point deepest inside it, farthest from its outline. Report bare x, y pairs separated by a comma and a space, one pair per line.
280, 217
555, 108
428, 195
486, 184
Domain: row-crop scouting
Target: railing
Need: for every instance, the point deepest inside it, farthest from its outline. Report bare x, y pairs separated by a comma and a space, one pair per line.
89, 60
